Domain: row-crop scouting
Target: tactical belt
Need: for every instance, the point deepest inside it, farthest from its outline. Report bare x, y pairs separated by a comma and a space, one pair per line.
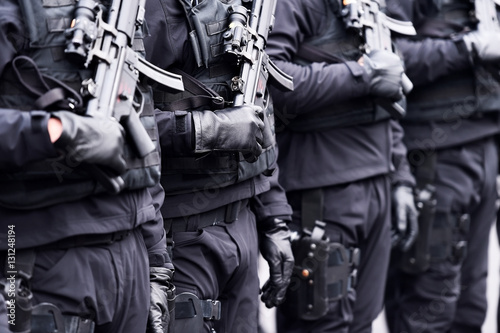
193, 164
225, 214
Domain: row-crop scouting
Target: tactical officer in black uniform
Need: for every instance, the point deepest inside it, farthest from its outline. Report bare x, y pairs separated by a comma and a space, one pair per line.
218, 172
339, 154
72, 256
440, 285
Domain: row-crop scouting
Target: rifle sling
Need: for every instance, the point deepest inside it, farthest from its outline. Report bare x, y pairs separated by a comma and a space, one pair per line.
202, 95
50, 92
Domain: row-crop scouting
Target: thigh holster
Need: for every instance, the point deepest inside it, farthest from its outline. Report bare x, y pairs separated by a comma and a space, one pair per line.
24, 317
191, 312
324, 272
417, 258
448, 239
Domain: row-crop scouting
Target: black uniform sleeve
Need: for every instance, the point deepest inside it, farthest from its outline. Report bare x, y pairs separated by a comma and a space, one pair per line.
11, 31
24, 138
320, 82
430, 58
176, 132
272, 203
426, 58
154, 233
402, 173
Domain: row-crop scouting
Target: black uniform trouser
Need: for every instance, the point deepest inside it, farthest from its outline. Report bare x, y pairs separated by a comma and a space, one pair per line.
219, 262
108, 283
357, 215
451, 295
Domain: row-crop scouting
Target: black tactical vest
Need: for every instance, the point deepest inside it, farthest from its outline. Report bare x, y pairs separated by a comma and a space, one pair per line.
465, 94
182, 174
60, 180
340, 45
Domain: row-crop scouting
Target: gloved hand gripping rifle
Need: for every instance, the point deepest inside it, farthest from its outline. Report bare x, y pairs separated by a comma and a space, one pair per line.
246, 40
106, 47
374, 28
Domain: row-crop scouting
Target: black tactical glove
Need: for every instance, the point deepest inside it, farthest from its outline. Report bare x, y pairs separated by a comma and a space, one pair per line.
161, 308
483, 45
385, 71
232, 129
92, 140
404, 218
276, 248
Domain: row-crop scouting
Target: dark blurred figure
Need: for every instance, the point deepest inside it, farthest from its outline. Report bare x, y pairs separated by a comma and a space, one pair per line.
450, 127
342, 163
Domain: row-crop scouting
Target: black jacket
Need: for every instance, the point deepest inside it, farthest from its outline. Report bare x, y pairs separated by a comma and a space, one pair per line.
333, 156
438, 60
24, 138
168, 46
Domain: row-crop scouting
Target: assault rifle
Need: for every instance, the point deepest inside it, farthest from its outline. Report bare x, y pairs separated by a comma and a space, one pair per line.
246, 39
374, 27
105, 45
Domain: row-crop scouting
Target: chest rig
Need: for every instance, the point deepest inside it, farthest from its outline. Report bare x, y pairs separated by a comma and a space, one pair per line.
335, 44
209, 87
43, 63
466, 94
